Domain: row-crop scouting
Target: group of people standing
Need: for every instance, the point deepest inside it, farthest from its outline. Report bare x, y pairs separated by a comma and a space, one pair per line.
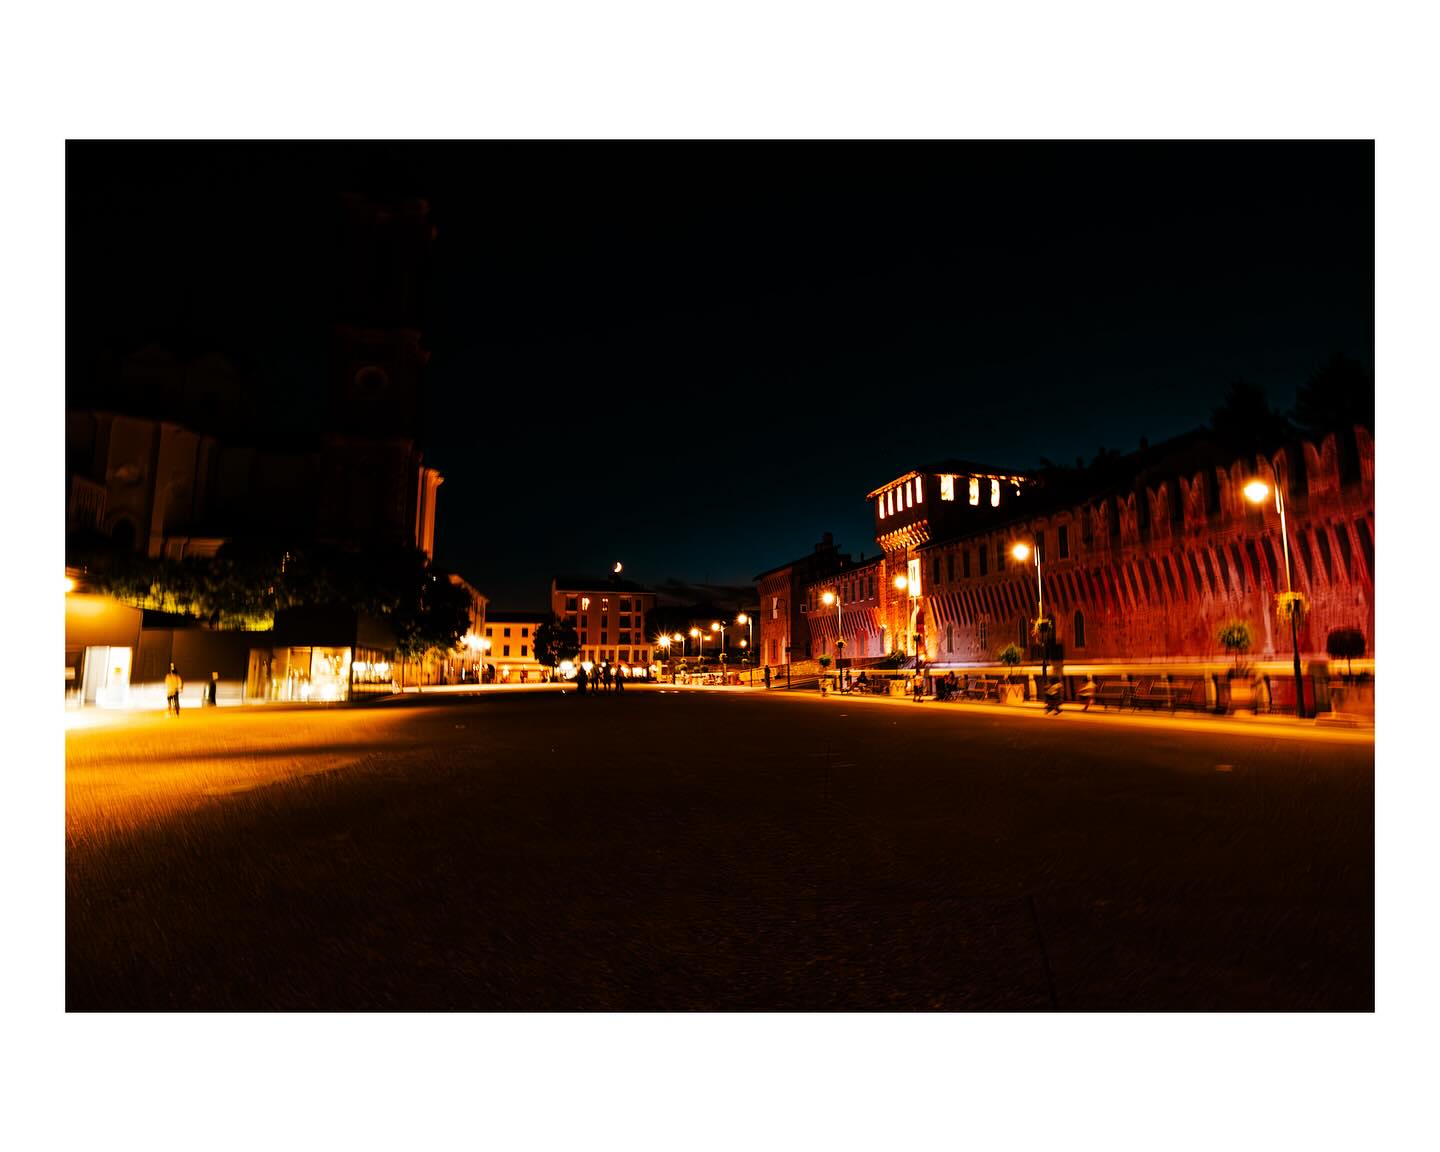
605, 679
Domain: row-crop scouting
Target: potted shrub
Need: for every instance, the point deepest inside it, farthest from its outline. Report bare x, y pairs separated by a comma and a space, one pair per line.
1352, 697
824, 674
1010, 692
1235, 637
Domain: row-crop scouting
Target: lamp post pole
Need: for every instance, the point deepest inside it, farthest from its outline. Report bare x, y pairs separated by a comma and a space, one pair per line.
1040, 608
1256, 491
744, 618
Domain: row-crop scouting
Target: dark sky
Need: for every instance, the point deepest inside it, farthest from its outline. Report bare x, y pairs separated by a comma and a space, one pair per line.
701, 356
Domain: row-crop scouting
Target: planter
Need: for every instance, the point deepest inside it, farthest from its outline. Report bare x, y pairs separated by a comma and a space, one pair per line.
1011, 693
1242, 694
1353, 699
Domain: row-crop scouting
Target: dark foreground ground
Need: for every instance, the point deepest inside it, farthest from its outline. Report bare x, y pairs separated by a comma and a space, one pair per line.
713, 851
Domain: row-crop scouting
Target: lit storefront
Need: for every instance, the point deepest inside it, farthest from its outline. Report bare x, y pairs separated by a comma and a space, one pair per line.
321, 654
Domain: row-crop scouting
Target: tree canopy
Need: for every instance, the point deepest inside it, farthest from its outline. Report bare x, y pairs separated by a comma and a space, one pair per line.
556, 641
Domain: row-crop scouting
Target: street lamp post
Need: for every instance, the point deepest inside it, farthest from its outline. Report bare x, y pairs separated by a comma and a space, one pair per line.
1256, 491
834, 598
749, 643
1022, 551
697, 635
719, 629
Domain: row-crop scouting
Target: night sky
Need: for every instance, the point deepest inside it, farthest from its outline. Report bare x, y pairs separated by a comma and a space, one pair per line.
696, 358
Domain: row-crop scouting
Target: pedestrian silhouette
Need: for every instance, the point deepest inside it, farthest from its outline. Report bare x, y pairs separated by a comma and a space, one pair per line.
173, 684
581, 679
767, 675
620, 679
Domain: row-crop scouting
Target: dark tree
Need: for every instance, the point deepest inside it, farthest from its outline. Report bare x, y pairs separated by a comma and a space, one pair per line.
1340, 395
1245, 422
426, 614
1345, 644
556, 641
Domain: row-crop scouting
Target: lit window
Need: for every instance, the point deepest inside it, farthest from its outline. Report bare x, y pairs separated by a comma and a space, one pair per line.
890, 501
947, 487
604, 604
994, 493
919, 492
975, 490
906, 491
585, 603
881, 503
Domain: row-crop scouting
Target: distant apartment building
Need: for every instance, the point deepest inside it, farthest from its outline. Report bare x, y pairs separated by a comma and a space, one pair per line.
511, 637
611, 616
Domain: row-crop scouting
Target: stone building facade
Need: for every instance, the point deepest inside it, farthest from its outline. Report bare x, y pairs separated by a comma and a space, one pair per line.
1141, 562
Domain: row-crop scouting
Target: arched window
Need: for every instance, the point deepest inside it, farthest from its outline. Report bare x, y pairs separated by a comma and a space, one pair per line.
1077, 629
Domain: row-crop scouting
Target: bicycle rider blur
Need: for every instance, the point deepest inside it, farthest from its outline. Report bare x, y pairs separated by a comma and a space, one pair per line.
1053, 692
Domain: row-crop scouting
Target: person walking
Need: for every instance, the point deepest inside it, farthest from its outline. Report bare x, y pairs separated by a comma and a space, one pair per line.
173, 684
605, 677
620, 678
767, 677
211, 689
581, 679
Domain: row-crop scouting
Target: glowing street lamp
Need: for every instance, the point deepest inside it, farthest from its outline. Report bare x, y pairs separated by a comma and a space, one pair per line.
829, 598
1021, 551
1256, 492
748, 642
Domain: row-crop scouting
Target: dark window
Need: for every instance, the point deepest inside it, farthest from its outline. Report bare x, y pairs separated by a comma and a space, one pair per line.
624, 637
507, 632
1063, 540
524, 649
1342, 538
1199, 579
1272, 564
570, 604
1087, 529
935, 569
1367, 547
625, 604
965, 563
625, 621
984, 561
507, 649
1077, 630
1040, 546
604, 637
524, 631
950, 566
1323, 539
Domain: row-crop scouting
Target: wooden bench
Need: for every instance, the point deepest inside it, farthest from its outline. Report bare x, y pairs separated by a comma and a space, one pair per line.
981, 689
1154, 695
1115, 692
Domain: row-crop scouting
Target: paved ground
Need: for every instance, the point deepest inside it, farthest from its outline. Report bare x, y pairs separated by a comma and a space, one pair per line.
715, 850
